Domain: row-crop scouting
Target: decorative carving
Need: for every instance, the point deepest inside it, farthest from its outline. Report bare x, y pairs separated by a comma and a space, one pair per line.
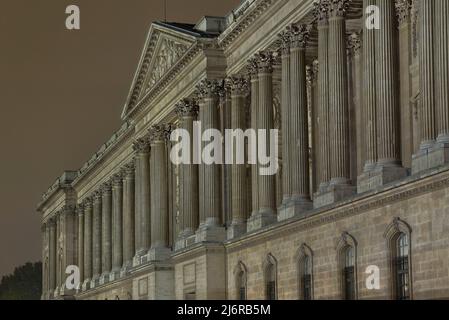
237, 85
209, 88
338, 8
252, 67
141, 145
80, 209
159, 133
168, 54
97, 196
187, 108
129, 169
321, 11
106, 188
87, 203
403, 8
300, 34
285, 38
117, 180
354, 44
265, 61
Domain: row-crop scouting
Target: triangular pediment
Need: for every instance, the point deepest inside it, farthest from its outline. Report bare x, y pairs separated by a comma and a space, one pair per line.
165, 44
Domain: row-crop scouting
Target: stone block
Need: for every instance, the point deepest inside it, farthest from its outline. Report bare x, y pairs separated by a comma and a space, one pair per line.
379, 177
260, 220
333, 194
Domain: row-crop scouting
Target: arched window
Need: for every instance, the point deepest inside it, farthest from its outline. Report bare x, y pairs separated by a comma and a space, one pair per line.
240, 277
347, 260
402, 267
398, 235
305, 272
349, 274
270, 267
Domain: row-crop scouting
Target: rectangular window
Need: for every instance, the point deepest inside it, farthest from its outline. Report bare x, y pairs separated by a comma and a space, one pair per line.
402, 278
307, 287
271, 290
349, 283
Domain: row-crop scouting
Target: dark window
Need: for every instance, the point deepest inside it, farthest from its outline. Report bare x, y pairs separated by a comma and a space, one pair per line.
402, 268
271, 282
241, 285
349, 274
307, 279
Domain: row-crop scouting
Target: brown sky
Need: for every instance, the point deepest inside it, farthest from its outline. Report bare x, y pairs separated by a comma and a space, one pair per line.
61, 95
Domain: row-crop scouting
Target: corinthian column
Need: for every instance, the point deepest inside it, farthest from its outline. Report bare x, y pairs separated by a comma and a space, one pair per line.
210, 199
298, 121
159, 193
369, 89
142, 223
442, 74
253, 74
427, 76
338, 79
96, 238
80, 212
265, 123
52, 256
321, 13
128, 215
285, 116
106, 233
187, 111
117, 225
239, 89
87, 243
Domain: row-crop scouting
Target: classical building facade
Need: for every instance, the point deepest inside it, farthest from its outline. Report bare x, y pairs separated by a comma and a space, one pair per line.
363, 184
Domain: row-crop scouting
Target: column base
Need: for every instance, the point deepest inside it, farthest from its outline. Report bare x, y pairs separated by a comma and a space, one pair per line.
294, 209
378, 177
114, 275
104, 278
185, 241
333, 194
260, 220
158, 254
126, 269
210, 233
235, 230
140, 258
95, 282
431, 158
86, 285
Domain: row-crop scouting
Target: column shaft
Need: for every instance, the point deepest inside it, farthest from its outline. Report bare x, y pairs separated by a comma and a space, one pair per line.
386, 87
340, 170
81, 242
117, 223
427, 75
323, 104
254, 125
298, 119
265, 122
442, 73
88, 240
52, 256
96, 236
106, 233
128, 215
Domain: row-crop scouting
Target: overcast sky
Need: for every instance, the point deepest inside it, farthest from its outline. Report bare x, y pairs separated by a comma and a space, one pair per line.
62, 93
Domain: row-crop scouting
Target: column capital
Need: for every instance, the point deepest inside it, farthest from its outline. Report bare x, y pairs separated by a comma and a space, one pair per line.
106, 188
208, 88
238, 85
354, 44
321, 12
97, 196
338, 8
159, 133
80, 209
312, 72
403, 9
51, 223
129, 169
117, 180
285, 38
265, 61
87, 203
252, 68
186, 108
141, 145
299, 35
